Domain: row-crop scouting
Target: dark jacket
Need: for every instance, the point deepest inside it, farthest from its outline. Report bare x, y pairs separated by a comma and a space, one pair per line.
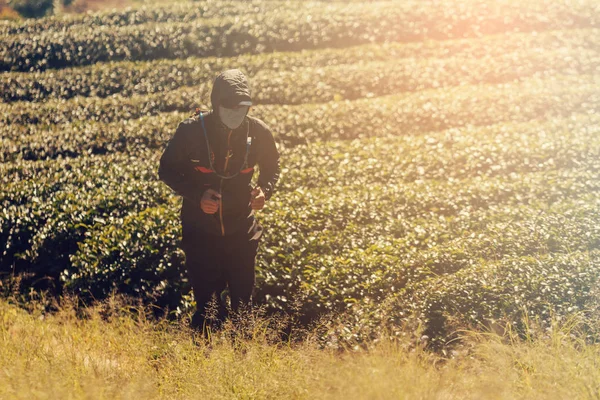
185, 166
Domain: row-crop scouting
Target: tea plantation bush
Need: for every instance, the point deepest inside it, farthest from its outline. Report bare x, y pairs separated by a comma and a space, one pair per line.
177, 12
304, 238
440, 161
409, 114
277, 31
335, 271
40, 228
541, 287
138, 255
31, 9
500, 58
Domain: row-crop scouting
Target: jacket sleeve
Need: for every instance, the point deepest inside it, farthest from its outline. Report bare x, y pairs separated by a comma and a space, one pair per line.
175, 170
268, 162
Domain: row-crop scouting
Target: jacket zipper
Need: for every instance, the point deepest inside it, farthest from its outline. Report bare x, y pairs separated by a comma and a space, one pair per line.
227, 155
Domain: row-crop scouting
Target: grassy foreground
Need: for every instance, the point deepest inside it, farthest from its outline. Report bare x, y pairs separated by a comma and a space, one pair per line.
109, 353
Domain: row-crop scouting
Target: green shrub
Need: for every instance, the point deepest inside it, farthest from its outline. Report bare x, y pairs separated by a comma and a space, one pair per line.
400, 66
32, 8
293, 30
437, 183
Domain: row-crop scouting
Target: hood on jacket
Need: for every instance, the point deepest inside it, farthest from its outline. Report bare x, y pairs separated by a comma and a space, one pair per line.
229, 89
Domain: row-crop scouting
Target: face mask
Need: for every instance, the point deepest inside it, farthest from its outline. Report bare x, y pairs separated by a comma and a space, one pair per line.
232, 117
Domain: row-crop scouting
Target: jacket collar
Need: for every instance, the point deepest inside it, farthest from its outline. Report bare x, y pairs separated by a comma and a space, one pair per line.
218, 133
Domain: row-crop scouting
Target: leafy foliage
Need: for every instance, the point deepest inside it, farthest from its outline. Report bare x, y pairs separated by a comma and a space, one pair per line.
341, 72
436, 183
31, 8
338, 25
292, 125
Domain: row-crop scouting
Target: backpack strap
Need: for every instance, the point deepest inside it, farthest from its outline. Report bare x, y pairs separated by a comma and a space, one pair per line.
248, 144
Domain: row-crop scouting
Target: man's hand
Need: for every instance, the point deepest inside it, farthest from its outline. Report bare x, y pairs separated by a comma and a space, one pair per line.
210, 201
257, 198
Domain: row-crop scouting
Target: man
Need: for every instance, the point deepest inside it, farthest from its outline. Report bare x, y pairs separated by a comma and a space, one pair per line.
210, 162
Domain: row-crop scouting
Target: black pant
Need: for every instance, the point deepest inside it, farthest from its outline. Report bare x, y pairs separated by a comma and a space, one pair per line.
214, 262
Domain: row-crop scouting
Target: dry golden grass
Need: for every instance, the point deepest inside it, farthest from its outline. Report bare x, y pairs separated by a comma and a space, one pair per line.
111, 353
